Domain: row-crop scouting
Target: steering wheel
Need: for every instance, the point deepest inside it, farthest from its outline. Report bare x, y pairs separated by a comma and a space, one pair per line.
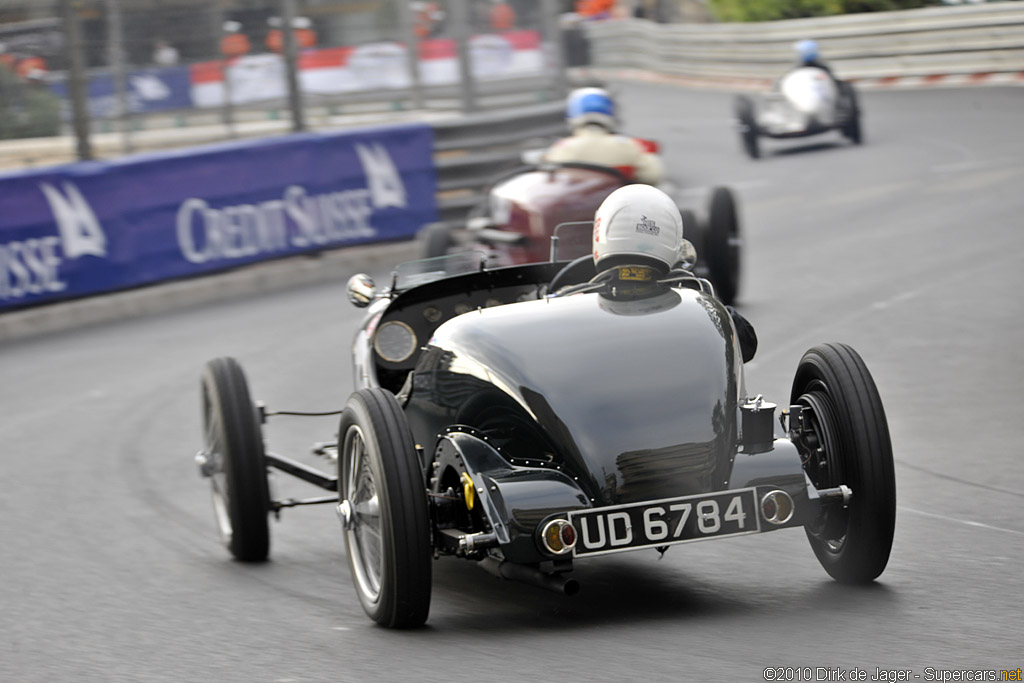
578, 270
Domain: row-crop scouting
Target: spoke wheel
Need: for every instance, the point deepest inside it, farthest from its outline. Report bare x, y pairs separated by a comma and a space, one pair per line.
237, 463
845, 441
384, 510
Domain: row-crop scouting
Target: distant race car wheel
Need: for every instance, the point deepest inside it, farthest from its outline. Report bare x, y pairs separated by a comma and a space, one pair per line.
851, 124
845, 441
435, 240
384, 510
748, 126
723, 245
235, 461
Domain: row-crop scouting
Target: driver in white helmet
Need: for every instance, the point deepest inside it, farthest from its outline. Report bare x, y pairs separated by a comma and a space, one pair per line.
638, 226
591, 114
638, 241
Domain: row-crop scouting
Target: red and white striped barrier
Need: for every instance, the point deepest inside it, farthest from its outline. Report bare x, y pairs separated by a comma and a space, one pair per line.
375, 66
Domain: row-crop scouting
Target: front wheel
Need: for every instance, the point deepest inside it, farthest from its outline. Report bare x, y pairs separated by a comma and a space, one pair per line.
234, 459
723, 245
384, 510
844, 440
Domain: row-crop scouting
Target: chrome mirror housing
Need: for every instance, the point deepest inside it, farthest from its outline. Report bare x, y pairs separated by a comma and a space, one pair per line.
361, 290
687, 255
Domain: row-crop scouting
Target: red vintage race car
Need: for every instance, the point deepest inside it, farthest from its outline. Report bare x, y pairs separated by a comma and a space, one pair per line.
517, 221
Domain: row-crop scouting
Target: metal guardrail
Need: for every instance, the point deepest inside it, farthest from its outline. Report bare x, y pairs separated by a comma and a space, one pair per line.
471, 153
940, 40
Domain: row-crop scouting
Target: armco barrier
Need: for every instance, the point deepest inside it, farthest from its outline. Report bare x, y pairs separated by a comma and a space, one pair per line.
470, 153
974, 39
94, 227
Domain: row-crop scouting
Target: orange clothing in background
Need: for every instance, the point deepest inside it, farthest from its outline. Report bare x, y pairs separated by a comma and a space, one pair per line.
594, 8
503, 17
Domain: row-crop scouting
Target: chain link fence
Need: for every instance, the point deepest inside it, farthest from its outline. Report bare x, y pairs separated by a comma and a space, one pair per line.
130, 67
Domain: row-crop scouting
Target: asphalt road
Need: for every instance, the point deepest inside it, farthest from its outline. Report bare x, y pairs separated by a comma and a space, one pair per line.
909, 248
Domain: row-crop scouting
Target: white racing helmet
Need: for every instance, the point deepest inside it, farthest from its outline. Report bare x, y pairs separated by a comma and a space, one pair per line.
638, 224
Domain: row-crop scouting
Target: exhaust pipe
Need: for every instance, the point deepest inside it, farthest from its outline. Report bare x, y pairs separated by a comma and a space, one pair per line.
511, 571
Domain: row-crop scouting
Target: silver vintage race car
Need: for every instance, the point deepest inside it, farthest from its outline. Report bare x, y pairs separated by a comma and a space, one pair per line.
805, 102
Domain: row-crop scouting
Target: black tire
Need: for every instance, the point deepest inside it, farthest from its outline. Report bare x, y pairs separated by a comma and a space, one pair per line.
435, 240
851, 122
723, 245
748, 126
846, 441
389, 553
235, 454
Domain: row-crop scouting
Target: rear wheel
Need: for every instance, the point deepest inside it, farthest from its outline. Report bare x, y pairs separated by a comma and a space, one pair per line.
384, 510
844, 440
748, 126
723, 245
851, 124
235, 461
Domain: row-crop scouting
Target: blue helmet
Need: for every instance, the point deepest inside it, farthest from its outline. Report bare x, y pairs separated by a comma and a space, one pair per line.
808, 51
590, 105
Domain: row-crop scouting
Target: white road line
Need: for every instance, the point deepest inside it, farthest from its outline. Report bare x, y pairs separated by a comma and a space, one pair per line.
965, 522
975, 165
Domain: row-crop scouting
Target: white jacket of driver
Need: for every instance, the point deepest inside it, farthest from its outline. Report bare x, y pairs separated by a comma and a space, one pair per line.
595, 144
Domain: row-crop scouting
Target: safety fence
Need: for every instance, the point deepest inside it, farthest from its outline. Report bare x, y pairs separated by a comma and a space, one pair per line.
972, 39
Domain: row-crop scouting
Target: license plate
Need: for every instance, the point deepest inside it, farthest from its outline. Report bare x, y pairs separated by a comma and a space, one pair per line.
670, 521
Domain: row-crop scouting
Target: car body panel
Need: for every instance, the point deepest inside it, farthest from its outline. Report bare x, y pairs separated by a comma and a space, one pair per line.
535, 202
583, 372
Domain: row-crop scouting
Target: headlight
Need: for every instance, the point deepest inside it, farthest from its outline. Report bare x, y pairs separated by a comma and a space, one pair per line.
395, 341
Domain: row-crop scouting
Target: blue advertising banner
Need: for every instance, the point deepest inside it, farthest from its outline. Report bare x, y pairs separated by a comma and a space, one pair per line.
100, 226
148, 90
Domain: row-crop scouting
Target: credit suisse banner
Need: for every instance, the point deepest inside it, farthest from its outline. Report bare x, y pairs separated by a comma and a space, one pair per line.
94, 227
147, 90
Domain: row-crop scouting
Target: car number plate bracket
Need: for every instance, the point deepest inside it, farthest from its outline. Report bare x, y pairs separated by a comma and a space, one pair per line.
669, 521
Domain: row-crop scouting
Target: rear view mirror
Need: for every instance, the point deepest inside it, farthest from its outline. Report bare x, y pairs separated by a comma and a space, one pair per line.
687, 255
361, 290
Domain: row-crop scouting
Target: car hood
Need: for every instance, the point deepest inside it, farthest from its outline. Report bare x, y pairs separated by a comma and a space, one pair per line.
635, 399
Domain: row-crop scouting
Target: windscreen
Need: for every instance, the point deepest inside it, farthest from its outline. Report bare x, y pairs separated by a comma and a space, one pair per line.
414, 273
575, 239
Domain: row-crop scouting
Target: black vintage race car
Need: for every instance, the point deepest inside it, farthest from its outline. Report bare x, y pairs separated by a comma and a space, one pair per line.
528, 418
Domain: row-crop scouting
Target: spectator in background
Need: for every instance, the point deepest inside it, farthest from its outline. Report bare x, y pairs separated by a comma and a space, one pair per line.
503, 17
595, 9
164, 53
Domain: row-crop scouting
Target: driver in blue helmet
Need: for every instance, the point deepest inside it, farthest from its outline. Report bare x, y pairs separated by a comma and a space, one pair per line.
594, 140
808, 55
